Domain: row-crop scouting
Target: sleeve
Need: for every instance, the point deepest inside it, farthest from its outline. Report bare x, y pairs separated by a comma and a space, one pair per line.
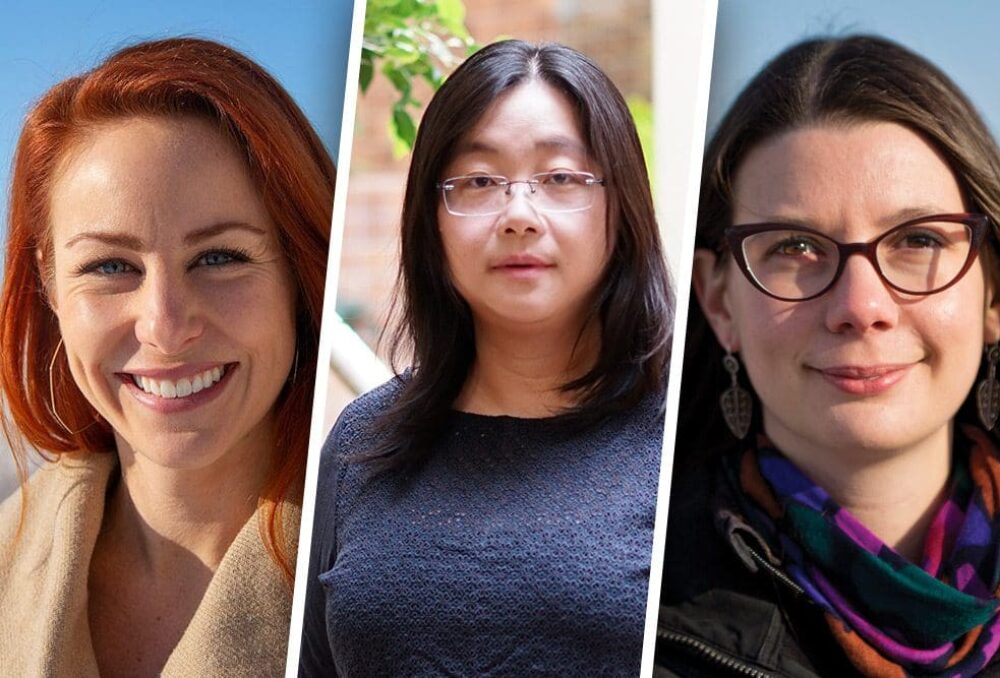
316, 656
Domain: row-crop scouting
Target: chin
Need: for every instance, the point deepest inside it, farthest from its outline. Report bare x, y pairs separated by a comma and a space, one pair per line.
878, 431
177, 450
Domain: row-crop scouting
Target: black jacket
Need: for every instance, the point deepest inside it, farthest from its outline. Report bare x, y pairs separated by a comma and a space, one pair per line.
726, 606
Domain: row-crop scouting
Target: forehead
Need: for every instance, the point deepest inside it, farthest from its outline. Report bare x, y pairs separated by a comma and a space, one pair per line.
835, 174
151, 172
530, 119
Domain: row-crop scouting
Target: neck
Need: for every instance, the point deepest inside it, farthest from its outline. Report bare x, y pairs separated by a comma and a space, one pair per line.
165, 516
895, 494
520, 371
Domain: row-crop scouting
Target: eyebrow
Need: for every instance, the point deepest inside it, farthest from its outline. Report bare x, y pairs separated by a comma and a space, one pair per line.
910, 213
557, 142
216, 229
896, 218
133, 243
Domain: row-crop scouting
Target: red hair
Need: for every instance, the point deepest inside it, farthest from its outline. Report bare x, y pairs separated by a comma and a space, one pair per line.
291, 170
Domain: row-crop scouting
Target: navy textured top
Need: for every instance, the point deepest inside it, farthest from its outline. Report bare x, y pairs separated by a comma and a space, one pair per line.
521, 546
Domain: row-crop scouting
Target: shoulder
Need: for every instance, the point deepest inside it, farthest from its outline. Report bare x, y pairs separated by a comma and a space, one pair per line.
358, 430
357, 427
713, 594
45, 563
58, 491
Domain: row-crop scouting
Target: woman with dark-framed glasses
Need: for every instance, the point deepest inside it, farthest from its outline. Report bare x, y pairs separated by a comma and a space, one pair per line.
490, 510
835, 505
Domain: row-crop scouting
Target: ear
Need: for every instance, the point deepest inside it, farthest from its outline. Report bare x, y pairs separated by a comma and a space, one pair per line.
709, 280
991, 323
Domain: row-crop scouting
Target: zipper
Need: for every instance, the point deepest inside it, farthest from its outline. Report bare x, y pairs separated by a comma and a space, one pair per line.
775, 572
712, 654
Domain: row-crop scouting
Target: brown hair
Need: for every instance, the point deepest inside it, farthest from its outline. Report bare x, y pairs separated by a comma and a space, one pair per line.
843, 80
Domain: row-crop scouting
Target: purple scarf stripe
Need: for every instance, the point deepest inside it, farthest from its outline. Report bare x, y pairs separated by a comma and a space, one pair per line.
961, 551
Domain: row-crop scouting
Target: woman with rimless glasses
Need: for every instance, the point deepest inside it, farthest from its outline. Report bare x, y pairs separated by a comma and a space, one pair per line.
836, 505
490, 510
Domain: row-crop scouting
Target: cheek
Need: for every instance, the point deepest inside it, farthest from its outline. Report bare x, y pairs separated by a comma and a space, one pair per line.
769, 335
257, 313
93, 328
461, 244
952, 329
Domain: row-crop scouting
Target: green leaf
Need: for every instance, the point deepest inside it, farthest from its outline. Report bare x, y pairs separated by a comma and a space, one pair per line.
403, 125
366, 73
451, 13
408, 41
397, 78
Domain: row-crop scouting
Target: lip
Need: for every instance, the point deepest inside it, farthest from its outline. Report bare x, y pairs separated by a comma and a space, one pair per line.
521, 265
864, 380
174, 405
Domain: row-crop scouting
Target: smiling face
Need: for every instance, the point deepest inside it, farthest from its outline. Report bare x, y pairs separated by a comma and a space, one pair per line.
525, 266
175, 302
862, 367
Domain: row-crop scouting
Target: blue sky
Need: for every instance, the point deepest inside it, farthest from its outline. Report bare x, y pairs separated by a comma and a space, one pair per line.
303, 43
962, 38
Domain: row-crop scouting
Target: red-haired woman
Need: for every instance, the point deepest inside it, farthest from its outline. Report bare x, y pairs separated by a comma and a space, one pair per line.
167, 242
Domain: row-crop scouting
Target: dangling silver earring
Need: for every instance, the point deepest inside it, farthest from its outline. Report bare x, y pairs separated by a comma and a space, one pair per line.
988, 391
295, 365
737, 405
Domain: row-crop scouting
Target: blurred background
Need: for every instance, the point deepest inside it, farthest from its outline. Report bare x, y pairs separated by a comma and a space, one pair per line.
961, 38
303, 43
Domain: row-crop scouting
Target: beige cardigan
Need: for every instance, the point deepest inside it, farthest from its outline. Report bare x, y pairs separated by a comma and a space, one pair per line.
239, 629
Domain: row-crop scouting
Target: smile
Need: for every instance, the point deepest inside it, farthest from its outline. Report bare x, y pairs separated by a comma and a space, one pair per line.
864, 379
182, 388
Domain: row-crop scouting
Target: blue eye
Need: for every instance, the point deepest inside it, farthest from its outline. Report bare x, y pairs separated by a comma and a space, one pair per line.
109, 267
221, 257
215, 258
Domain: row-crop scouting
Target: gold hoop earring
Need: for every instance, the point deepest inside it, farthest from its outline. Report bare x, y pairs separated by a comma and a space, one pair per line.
52, 396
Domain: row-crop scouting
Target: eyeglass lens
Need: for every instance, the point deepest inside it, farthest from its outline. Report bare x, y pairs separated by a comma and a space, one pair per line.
482, 195
917, 258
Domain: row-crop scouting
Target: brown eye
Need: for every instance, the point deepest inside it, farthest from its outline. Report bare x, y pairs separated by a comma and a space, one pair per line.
478, 181
796, 246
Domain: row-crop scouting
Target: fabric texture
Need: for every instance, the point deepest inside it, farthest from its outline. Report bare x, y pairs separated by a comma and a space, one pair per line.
729, 604
722, 612
239, 629
894, 618
520, 547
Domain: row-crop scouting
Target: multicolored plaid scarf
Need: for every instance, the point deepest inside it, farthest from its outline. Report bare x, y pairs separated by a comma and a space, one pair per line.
892, 617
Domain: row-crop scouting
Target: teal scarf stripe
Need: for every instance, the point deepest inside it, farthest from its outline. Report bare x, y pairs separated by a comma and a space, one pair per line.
911, 603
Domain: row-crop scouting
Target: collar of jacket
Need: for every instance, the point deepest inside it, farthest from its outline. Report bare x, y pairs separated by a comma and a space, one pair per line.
726, 604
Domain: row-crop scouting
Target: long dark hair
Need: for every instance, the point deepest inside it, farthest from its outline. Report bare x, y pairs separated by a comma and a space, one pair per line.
634, 300
845, 80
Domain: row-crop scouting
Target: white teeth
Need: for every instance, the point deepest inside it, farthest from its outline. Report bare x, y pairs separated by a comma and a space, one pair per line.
181, 388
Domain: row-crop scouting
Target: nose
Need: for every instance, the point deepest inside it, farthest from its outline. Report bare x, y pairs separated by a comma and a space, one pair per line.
520, 216
168, 317
860, 301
